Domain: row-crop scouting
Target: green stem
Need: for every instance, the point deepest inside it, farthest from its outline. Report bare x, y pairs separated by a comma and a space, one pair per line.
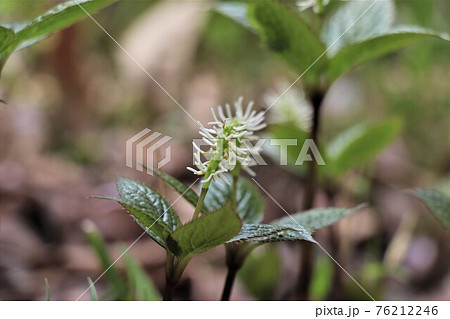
235, 174
201, 199
168, 290
174, 270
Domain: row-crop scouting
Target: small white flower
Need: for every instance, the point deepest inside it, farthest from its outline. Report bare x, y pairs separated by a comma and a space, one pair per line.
227, 141
291, 106
317, 5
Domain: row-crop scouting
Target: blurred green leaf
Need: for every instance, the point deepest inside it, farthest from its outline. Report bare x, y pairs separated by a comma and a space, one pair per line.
182, 189
355, 21
47, 290
261, 272
438, 203
140, 281
286, 33
94, 296
237, 11
21, 35
314, 219
373, 48
55, 19
101, 250
206, 232
148, 208
322, 278
250, 203
359, 145
263, 233
6, 37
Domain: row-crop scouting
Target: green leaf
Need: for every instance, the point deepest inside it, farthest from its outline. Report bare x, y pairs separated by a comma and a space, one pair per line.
263, 233
178, 186
204, 233
140, 281
261, 272
250, 203
356, 21
286, 33
322, 278
438, 203
6, 38
360, 145
57, 18
314, 219
373, 48
47, 290
148, 208
236, 11
101, 250
94, 296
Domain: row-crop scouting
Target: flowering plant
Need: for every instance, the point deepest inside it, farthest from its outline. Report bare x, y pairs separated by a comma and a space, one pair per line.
229, 208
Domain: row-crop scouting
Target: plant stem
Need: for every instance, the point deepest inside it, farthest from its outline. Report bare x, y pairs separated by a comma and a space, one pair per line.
235, 258
201, 199
174, 270
235, 174
311, 178
232, 254
304, 277
231, 275
168, 290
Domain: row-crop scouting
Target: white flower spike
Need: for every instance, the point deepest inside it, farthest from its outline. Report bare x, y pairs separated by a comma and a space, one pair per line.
288, 104
227, 140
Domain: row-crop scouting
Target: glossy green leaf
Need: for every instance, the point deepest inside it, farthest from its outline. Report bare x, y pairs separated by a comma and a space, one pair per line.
55, 19
178, 186
204, 233
261, 272
437, 202
250, 203
148, 208
94, 295
285, 33
263, 233
359, 145
140, 281
355, 21
376, 47
314, 219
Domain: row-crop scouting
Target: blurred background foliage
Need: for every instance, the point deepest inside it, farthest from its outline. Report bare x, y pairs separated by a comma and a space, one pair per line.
75, 98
